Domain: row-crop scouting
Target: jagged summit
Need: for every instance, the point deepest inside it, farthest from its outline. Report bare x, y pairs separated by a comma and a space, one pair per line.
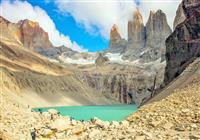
146, 42
114, 35
157, 29
28, 23
180, 16
136, 29
117, 43
3, 20
30, 35
137, 16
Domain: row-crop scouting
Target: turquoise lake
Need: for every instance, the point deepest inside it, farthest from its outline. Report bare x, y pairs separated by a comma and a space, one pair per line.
103, 112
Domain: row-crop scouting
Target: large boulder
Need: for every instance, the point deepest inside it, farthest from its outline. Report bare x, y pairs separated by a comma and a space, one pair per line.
101, 60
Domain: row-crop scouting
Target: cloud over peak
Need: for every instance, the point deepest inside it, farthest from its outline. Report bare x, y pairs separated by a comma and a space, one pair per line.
19, 10
98, 16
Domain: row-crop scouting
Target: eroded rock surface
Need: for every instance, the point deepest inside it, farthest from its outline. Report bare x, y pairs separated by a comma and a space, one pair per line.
124, 83
180, 16
182, 46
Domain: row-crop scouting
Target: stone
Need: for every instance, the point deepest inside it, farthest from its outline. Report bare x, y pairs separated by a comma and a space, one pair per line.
194, 126
47, 115
114, 123
124, 123
179, 129
98, 122
78, 130
93, 133
61, 124
60, 135
194, 136
168, 125
185, 110
140, 138
46, 132
53, 111
101, 60
74, 122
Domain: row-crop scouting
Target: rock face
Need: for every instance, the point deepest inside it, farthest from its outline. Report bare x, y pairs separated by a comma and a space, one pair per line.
35, 38
117, 44
182, 46
180, 16
136, 29
123, 83
115, 37
157, 30
136, 37
146, 43
32, 36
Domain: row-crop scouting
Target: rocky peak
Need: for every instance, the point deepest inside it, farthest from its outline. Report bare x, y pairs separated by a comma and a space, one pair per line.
117, 43
184, 10
28, 23
157, 29
114, 35
180, 16
137, 16
136, 29
3, 20
33, 36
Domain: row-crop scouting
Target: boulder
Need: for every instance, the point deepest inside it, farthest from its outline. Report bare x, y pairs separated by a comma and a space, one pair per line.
101, 60
53, 111
61, 124
47, 115
97, 122
93, 133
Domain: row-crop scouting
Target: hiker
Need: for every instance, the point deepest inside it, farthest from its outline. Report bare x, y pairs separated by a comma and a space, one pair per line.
33, 134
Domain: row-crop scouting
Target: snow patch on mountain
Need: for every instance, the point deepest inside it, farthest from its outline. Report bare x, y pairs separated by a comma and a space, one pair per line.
78, 61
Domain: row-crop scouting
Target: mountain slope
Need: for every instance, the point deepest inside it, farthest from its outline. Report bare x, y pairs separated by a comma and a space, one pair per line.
189, 76
182, 50
34, 80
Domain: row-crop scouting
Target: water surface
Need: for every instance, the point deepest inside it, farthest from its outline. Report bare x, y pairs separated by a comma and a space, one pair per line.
104, 112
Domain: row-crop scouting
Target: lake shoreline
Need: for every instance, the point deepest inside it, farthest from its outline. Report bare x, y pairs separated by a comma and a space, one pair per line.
117, 112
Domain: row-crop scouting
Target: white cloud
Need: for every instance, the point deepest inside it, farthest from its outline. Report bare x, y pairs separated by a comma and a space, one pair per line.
98, 17
103, 14
19, 10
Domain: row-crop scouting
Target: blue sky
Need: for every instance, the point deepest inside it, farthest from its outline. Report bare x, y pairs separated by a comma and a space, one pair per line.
68, 26
83, 25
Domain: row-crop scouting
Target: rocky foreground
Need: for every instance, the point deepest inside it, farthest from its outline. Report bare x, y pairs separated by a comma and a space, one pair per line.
176, 117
